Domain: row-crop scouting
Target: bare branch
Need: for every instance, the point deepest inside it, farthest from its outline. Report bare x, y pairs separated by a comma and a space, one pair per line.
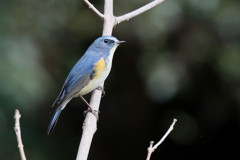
89, 127
17, 129
152, 148
109, 18
109, 21
90, 123
91, 6
87, 136
165, 135
138, 11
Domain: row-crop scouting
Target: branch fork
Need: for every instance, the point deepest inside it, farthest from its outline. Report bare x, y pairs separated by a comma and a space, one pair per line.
126, 16
152, 148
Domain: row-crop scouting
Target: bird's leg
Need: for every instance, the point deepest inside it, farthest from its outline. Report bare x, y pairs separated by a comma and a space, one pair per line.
94, 112
101, 88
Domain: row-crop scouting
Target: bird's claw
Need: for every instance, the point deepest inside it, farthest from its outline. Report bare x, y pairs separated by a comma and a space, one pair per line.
94, 112
101, 88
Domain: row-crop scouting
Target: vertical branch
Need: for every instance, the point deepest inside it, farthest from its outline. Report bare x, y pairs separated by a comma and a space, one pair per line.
89, 128
109, 21
90, 123
17, 129
109, 18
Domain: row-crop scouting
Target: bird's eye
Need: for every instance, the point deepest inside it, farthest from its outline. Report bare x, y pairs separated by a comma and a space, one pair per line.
106, 40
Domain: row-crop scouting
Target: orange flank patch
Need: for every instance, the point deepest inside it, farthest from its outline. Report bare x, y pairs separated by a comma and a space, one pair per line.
99, 67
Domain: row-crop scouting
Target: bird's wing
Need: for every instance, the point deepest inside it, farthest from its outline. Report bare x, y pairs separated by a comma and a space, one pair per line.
77, 79
71, 88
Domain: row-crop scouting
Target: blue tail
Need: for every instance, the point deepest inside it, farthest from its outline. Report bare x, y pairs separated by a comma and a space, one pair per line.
53, 122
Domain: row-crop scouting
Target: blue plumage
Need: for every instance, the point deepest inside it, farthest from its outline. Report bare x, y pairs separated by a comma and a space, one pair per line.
87, 74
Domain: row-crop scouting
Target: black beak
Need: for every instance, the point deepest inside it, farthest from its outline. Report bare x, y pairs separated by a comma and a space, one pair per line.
119, 42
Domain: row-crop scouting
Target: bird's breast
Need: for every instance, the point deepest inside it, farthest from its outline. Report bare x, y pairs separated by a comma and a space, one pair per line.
100, 73
99, 68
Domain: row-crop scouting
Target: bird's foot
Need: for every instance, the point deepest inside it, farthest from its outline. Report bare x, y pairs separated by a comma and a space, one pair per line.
101, 88
94, 112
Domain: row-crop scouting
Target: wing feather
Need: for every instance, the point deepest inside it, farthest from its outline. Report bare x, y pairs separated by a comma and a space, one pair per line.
77, 79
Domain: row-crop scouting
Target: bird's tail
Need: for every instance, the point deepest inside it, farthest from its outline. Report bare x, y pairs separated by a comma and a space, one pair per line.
54, 119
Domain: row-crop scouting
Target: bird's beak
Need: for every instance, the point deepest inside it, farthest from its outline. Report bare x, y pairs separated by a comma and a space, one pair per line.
119, 42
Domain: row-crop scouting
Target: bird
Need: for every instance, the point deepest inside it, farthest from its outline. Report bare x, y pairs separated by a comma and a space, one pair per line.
88, 74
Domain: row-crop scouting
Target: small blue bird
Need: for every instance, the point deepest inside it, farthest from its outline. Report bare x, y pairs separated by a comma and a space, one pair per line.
87, 74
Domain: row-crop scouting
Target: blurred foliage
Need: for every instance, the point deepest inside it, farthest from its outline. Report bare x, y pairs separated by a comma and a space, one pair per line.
181, 60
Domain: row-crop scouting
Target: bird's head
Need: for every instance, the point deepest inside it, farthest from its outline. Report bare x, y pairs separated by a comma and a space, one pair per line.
108, 44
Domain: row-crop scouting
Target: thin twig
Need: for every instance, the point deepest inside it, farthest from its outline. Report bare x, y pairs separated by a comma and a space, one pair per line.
91, 6
17, 129
152, 148
138, 11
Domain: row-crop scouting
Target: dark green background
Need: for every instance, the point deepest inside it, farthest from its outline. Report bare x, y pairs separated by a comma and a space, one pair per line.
180, 60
